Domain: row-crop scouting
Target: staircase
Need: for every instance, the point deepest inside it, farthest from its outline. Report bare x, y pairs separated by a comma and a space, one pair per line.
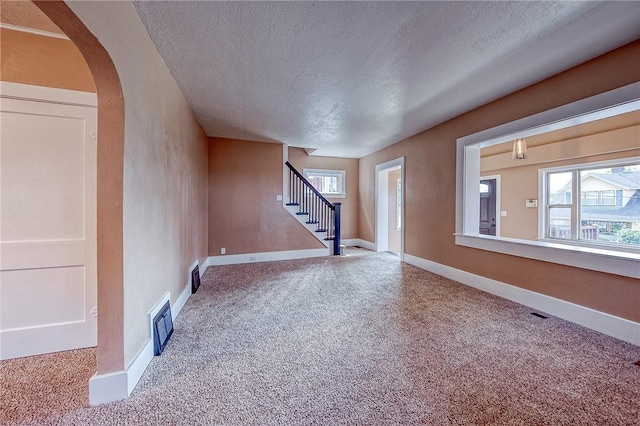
313, 210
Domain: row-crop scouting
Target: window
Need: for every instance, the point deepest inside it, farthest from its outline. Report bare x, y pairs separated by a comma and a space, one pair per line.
618, 258
590, 198
608, 198
601, 216
330, 183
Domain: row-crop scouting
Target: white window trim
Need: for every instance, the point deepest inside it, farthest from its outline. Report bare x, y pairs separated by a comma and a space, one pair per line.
327, 172
542, 196
607, 104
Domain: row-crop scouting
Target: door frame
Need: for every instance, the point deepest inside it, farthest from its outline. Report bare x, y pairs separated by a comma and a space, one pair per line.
381, 186
498, 201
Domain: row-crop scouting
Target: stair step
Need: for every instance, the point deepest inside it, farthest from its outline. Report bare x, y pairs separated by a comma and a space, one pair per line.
293, 204
329, 238
311, 222
321, 230
302, 213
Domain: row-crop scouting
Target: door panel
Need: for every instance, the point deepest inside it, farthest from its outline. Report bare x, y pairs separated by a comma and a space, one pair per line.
48, 289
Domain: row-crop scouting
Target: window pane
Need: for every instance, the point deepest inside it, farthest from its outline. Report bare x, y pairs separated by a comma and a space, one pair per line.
608, 198
560, 222
611, 204
324, 184
559, 185
590, 198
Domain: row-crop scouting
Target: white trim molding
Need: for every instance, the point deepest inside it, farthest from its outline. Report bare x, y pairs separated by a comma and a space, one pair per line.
381, 197
29, 92
104, 388
617, 327
33, 31
357, 242
270, 256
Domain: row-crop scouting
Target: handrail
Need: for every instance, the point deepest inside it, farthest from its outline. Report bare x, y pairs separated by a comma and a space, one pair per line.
309, 186
315, 207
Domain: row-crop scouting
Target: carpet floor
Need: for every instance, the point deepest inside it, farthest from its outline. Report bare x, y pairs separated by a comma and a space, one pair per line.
359, 339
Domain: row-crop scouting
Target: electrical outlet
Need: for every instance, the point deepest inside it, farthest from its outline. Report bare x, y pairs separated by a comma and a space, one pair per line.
223, 250
278, 197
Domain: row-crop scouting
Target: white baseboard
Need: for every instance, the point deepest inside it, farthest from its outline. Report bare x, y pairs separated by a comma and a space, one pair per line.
611, 325
104, 388
181, 301
204, 266
108, 387
351, 242
233, 259
115, 386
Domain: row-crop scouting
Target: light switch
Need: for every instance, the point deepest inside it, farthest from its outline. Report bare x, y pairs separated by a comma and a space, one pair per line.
531, 203
278, 197
503, 213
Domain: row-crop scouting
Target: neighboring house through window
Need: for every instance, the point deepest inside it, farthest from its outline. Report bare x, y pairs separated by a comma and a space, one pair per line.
608, 209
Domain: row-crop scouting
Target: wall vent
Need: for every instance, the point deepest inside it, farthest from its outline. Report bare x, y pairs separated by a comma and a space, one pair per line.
162, 328
195, 279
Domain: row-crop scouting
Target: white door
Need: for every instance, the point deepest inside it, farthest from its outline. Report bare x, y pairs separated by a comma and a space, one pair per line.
48, 289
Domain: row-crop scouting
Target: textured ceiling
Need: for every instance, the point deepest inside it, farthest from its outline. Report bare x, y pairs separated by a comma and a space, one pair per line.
349, 78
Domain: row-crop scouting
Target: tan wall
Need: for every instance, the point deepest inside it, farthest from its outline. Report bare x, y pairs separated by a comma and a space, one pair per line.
394, 233
349, 213
244, 215
430, 174
43, 61
519, 183
165, 173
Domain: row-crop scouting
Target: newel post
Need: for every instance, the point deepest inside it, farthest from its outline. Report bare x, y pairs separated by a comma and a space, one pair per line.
336, 227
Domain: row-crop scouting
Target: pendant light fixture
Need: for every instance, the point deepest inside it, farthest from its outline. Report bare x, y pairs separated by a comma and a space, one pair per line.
519, 149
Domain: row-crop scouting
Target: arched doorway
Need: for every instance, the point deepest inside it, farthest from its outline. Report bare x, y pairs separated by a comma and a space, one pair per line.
110, 159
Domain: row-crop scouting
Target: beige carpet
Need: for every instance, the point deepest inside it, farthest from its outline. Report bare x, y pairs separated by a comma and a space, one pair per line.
360, 340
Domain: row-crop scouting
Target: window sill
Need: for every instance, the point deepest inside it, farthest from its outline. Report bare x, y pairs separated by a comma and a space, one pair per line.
595, 259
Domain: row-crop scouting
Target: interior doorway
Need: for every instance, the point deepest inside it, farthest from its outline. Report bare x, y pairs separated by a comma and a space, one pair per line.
109, 167
489, 219
390, 185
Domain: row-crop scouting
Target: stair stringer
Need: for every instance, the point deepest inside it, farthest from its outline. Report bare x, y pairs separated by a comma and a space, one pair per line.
311, 227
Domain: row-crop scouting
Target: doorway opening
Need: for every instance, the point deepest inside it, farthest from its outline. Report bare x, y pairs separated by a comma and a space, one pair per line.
490, 205
108, 357
390, 183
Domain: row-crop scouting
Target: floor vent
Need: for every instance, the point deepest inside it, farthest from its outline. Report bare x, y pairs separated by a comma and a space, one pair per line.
195, 279
535, 314
162, 328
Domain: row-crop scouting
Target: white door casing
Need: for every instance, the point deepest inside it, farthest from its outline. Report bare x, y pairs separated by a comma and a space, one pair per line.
48, 262
382, 203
